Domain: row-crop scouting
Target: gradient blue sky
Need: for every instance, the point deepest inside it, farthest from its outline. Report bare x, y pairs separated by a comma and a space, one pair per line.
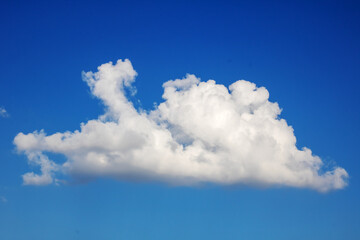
306, 53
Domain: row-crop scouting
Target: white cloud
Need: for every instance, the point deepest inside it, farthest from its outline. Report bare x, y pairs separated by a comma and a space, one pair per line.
47, 168
202, 132
3, 112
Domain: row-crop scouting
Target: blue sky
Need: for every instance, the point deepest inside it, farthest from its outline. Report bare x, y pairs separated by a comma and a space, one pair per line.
306, 54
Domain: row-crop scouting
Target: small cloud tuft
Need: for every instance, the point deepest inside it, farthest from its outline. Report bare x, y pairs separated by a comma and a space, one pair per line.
3, 112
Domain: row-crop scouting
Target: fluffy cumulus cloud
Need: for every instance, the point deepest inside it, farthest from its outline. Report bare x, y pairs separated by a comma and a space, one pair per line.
203, 132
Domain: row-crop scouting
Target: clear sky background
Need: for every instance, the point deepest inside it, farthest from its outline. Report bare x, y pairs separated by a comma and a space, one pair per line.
306, 53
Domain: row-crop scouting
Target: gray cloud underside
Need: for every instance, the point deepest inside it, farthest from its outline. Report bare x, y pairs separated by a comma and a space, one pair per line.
202, 132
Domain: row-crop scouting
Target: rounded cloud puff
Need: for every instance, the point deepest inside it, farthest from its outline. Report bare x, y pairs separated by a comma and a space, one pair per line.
202, 132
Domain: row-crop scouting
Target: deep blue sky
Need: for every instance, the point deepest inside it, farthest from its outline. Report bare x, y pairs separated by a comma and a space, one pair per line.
306, 53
